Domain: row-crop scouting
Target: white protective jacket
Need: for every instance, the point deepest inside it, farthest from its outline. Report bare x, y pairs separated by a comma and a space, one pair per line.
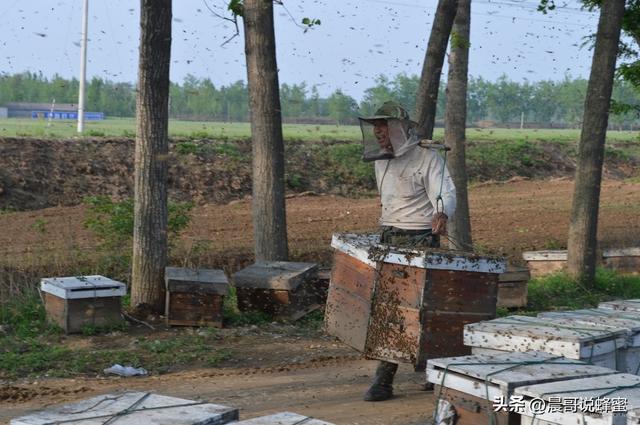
409, 185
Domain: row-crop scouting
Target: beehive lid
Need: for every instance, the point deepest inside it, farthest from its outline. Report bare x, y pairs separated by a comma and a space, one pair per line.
77, 287
623, 305
284, 418
602, 317
284, 275
500, 374
556, 336
367, 249
619, 385
182, 279
549, 255
146, 408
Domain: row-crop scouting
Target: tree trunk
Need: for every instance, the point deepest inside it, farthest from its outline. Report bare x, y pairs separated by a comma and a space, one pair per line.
586, 196
269, 218
151, 153
455, 125
427, 96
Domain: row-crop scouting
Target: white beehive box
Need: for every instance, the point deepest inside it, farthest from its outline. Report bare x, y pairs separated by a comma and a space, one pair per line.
633, 417
284, 418
621, 386
144, 408
592, 344
472, 383
628, 359
79, 301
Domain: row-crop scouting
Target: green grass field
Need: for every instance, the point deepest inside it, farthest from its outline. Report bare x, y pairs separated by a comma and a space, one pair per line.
125, 127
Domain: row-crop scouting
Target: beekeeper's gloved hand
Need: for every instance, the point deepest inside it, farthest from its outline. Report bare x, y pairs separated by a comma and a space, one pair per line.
439, 224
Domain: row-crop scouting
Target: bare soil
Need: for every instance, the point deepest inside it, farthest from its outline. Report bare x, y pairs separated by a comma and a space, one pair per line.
507, 218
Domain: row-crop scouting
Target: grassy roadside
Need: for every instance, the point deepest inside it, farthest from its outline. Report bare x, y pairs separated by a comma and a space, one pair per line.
125, 127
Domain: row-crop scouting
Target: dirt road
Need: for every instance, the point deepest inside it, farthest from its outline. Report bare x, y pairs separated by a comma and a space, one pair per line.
331, 391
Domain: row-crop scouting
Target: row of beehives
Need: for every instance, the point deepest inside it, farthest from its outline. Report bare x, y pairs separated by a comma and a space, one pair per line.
565, 367
133, 408
194, 296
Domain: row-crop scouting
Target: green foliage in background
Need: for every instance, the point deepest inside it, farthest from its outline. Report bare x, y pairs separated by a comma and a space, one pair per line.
560, 291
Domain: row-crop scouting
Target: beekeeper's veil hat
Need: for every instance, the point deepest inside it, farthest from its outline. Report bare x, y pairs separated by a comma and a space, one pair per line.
402, 132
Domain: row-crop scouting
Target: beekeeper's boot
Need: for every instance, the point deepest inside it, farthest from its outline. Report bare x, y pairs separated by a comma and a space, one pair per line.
382, 386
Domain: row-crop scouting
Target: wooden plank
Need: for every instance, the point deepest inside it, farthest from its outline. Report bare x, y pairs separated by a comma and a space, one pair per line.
284, 418
512, 294
515, 274
549, 255
347, 317
56, 309
353, 276
349, 300
198, 287
191, 309
281, 275
393, 332
626, 265
443, 335
543, 268
621, 252
459, 292
99, 312
97, 410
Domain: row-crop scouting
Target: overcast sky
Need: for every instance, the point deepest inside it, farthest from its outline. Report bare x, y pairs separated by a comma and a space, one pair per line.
357, 40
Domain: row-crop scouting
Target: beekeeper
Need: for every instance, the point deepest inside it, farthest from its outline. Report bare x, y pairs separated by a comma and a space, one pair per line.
416, 192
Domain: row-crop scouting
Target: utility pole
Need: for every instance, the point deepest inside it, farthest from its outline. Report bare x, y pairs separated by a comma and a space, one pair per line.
83, 65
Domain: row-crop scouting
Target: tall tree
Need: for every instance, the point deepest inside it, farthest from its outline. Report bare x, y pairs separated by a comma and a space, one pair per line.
427, 96
583, 227
455, 121
151, 154
269, 218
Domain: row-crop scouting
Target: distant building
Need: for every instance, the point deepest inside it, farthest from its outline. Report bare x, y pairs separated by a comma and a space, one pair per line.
61, 111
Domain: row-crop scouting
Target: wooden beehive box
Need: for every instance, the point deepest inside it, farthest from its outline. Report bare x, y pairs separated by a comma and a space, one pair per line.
541, 263
407, 306
195, 296
622, 386
142, 408
626, 260
512, 287
473, 383
284, 418
593, 344
280, 288
628, 359
76, 302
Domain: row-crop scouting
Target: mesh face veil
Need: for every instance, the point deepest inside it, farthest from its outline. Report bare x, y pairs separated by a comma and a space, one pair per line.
385, 138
